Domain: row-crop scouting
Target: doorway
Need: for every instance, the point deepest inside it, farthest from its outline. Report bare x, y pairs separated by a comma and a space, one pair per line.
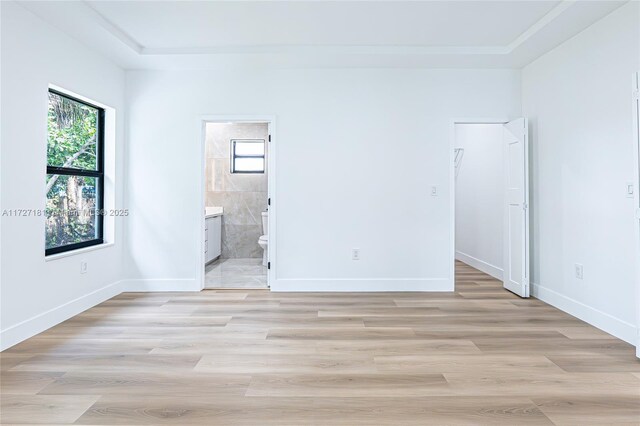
490, 199
238, 232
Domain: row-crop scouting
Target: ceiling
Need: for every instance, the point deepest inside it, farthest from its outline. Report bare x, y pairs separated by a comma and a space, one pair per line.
222, 34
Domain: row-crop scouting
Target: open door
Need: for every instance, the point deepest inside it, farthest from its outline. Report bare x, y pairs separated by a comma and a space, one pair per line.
516, 232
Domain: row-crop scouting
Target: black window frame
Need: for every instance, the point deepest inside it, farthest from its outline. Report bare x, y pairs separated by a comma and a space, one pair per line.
98, 174
234, 156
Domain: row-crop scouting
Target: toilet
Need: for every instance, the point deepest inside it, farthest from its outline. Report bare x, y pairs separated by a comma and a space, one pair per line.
263, 241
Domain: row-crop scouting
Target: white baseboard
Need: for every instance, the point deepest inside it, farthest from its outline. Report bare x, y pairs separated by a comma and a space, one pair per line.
480, 265
39, 323
362, 285
160, 285
605, 322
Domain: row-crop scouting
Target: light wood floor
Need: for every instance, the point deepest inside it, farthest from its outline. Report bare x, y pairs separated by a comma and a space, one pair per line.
477, 356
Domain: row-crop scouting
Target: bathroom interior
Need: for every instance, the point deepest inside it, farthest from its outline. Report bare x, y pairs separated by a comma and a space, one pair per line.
236, 205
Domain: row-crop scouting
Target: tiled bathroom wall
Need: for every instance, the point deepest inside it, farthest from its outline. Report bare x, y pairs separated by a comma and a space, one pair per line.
243, 196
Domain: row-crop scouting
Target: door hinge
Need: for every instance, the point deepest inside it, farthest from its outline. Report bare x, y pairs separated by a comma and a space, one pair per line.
268, 201
638, 214
525, 206
636, 95
268, 265
269, 138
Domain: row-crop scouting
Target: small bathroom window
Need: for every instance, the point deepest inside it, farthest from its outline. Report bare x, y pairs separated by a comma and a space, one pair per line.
247, 156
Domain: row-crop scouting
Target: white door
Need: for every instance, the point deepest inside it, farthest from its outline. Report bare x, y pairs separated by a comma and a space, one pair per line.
516, 233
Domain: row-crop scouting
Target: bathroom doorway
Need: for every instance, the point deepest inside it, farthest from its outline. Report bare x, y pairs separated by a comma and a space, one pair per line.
236, 200
491, 191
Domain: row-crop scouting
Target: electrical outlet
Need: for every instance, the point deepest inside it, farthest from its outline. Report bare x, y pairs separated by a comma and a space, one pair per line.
579, 271
83, 267
355, 254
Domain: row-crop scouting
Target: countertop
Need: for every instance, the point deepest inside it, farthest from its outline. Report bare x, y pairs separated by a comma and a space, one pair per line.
212, 212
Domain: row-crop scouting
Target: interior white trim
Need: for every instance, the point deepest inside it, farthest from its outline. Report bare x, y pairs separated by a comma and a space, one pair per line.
113, 29
361, 284
161, 284
636, 196
328, 49
480, 265
270, 119
137, 47
543, 22
37, 324
77, 252
605, 322
41, 322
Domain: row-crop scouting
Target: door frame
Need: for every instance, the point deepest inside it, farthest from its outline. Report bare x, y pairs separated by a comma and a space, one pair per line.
452, 180
270, 120
636, 195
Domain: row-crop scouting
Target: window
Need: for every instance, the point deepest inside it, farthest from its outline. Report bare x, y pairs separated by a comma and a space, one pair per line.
247, 156
75, 174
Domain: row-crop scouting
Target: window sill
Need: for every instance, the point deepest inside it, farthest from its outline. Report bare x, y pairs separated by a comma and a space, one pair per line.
77, 251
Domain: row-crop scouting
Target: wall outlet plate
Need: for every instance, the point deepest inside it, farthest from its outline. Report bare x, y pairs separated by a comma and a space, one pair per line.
579, 271
355, 254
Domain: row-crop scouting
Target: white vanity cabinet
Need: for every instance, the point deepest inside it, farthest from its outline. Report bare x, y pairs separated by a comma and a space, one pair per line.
212, 238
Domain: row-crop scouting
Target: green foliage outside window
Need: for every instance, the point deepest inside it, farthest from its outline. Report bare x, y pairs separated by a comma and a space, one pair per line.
72, 142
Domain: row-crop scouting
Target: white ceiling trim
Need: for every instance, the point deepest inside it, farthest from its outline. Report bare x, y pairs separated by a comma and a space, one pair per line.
141, 50
543, 22
114, 30
324, 49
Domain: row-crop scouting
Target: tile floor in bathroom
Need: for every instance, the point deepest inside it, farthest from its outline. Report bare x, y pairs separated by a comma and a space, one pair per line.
236, 273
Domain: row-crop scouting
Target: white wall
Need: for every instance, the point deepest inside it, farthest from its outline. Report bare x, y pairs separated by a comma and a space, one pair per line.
480, 197
578, 98
36, 294
357, 151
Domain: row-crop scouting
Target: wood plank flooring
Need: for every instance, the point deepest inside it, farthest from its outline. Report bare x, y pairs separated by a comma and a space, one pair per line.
250, 357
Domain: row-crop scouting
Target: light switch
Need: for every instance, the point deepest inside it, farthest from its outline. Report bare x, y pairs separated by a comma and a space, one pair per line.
434, 191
